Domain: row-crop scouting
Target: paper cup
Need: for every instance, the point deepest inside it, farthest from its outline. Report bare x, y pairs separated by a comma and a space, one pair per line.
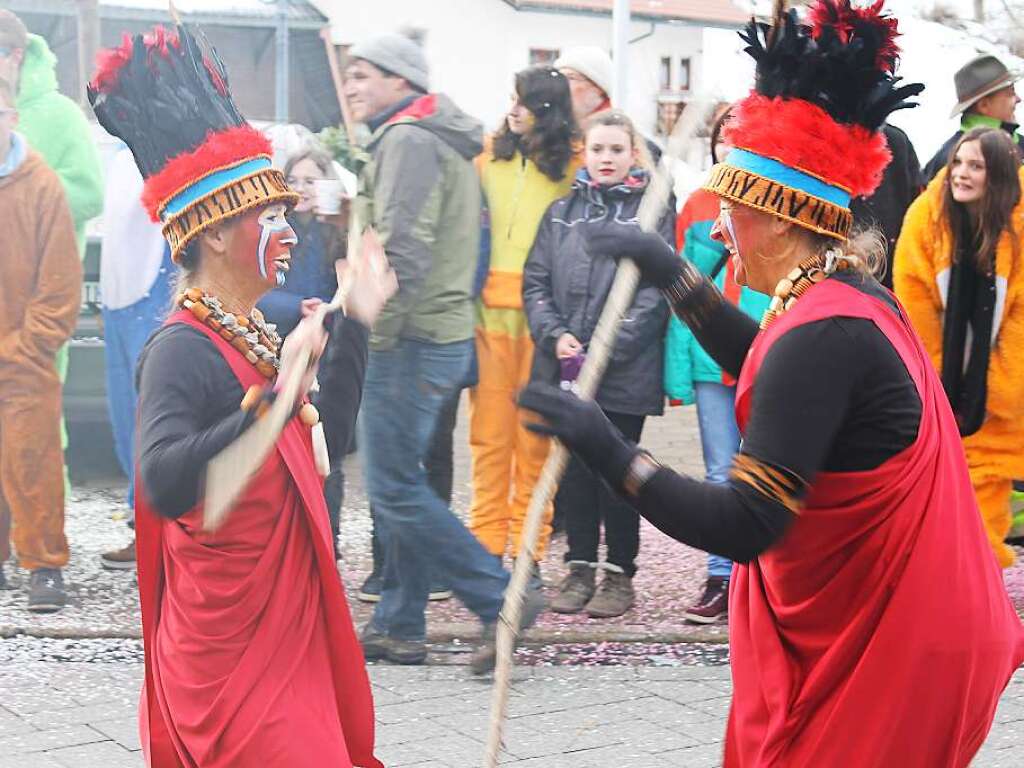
328, 196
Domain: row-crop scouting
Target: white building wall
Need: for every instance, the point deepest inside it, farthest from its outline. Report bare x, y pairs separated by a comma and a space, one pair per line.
475, 46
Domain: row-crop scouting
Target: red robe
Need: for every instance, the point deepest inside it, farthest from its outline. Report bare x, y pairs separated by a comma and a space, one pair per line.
877, 633
251, 657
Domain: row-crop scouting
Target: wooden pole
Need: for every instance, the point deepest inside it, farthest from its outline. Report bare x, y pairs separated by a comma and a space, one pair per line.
339, 85
88, 44
620, 297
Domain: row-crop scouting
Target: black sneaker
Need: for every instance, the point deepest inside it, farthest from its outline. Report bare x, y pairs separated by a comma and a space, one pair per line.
486, 655
371, 589
439, 592
377, 645
46, 591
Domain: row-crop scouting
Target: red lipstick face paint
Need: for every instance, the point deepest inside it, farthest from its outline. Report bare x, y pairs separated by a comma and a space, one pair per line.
266, 241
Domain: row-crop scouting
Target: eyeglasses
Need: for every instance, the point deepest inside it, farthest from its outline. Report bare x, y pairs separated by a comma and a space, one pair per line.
6, 111
725, 216
302, 181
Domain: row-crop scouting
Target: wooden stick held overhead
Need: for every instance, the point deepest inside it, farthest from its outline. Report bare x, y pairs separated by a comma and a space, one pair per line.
620, 298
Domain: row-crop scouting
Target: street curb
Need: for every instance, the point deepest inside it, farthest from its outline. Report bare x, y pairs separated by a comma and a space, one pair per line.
445, 633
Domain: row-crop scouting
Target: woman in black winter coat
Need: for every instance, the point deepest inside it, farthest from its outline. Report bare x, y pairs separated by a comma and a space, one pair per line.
564, 291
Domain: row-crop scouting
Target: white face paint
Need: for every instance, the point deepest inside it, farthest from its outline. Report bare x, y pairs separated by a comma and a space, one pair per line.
276, 239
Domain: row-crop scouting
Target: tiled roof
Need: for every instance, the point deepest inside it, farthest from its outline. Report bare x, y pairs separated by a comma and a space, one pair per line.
726, 12
301, 13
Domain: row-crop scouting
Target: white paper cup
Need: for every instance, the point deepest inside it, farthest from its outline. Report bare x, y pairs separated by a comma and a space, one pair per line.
328, 196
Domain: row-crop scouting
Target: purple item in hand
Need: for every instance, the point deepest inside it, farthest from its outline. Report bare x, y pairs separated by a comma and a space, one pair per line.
571, 367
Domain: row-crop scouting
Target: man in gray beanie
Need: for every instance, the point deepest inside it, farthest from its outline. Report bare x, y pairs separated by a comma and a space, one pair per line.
420, 191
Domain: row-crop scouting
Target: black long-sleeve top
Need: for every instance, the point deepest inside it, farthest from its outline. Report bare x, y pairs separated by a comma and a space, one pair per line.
831, 396
189, 406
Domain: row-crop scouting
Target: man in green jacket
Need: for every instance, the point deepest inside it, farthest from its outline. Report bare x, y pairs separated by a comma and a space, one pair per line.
421, 193
56, 128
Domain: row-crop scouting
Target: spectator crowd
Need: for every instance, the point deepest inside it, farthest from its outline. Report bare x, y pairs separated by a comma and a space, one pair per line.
489, 232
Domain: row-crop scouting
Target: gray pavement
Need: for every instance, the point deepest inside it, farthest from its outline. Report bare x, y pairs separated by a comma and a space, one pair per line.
81, 714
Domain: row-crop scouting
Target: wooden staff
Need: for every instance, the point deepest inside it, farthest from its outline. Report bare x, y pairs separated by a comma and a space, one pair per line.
620, 298
339, 87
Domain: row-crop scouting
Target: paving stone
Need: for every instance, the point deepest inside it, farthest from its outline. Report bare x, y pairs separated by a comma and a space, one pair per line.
124, 731
426, 708
34, 760
707, 756
51, 738
582, 718
87, 714
105, 754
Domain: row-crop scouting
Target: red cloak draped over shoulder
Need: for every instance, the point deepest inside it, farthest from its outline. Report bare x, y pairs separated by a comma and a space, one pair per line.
251, 657
877, 633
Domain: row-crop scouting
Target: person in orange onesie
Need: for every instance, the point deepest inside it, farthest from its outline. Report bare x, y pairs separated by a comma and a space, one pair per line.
528, 164
960, 274
40, 293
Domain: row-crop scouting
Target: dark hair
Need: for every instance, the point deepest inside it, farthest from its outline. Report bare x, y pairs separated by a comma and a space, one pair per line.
716, 131
619, 119
550, 142
979, 236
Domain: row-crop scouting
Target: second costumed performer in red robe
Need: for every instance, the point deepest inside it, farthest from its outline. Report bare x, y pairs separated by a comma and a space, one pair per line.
869, 624
251, 657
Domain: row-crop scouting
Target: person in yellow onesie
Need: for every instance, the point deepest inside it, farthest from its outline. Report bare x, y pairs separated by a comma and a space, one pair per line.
526, 165
959, 271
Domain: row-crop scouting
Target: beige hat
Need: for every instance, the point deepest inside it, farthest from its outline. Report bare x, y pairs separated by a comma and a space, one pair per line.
978, 78
591, 62
12, 32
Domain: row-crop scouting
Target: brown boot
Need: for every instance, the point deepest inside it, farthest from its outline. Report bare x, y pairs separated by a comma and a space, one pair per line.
120, 559
576, 589
613, 598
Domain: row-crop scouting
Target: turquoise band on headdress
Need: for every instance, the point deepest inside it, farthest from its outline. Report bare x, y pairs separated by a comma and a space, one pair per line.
212, 183
782, 174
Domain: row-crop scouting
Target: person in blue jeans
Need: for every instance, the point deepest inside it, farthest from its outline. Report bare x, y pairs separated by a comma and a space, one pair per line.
420, 532
691, 376
136, 275
419, 190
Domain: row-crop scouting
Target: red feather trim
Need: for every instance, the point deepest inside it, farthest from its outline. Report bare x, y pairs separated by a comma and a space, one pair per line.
218, 151
803, 136
110, 60
845, 20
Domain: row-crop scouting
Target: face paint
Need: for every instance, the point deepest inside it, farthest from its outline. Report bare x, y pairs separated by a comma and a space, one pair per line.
276, 239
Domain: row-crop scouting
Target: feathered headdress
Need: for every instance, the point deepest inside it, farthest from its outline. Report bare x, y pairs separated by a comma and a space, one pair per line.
166, 96
808, 137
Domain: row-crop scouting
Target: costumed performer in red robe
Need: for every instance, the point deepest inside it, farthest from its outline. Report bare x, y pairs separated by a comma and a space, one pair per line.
251, 657
869, 624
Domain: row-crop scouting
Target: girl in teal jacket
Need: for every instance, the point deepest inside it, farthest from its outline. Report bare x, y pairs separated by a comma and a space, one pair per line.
691, 376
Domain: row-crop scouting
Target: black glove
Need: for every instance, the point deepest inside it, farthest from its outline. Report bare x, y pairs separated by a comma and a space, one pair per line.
659, 264
583, 427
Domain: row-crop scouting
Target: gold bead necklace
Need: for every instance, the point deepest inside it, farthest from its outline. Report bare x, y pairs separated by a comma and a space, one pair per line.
809, 272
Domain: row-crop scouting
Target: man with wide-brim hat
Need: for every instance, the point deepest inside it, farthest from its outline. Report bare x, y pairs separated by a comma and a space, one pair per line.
986, 97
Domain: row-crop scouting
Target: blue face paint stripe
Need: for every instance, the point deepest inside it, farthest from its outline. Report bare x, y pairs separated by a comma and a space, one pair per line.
786, 176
